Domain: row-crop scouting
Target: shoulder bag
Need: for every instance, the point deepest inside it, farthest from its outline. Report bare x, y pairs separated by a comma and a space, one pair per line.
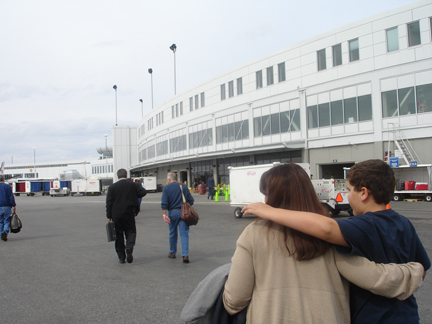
15, 224
189, 215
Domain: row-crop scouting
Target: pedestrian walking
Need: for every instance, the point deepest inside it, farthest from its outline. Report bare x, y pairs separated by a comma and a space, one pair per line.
7, 205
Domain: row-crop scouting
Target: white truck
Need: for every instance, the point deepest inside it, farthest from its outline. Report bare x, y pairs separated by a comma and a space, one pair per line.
86, 187
244, 184
58, 188
413, 182
333, 194
150, 183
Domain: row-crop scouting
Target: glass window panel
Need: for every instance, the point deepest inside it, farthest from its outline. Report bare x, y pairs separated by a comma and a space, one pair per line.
312, 117
190, 104
224, 133
414, 33
295, 120
365, 107
218, 134
275, 128
284, 121
424, 98
177, 110
389, 103
231, 89
257, 127
337, 55
266, 125
321, 59
202, 99
245, 129
407, 101
209, 136
172, 113
231, 132
350, 110
354, 50
324, 114
191, 141
281, 72
336, 112
223, 94
238, 130
392, 39
181, 108
270, 79
196, 102
259, 83
239, 86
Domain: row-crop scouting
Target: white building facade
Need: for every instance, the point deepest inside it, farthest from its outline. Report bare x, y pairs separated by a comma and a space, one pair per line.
339, 98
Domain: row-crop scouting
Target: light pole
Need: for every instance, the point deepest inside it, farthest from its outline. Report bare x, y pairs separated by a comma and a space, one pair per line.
173, 48
115, 88
34, 160
151, 75
142, 108
106, 148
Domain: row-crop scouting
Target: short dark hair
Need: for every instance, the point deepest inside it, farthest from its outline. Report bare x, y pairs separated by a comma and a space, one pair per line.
122, 173
375, 175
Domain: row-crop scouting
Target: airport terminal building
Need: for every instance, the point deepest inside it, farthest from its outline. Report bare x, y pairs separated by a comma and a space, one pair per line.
359, 92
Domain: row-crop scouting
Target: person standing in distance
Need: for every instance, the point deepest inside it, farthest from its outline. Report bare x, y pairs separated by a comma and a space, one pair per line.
121, 208
7, 204
210, 185
171, 203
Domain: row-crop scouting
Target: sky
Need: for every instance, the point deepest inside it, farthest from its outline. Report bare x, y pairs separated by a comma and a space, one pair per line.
60, 59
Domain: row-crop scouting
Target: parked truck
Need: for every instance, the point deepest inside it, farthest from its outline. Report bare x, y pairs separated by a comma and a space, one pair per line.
413, 182
333, 194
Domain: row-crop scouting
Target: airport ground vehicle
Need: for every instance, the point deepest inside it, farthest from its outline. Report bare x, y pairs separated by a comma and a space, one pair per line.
413, 182
333, 194
87, 187
60, 188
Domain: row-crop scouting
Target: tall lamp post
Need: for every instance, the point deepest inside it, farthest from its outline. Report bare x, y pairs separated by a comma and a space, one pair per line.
115, 88
173, 48
151, 75
34, 160
142, 108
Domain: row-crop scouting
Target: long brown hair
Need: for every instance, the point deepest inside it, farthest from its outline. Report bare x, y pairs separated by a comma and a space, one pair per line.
288, 186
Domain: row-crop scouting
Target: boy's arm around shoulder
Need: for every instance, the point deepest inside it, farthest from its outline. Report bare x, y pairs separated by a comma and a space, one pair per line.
316, 225
389, 280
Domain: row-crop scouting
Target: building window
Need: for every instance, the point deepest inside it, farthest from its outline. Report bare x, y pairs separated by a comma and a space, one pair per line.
406, 101
392, 39
181, 108
321, 59
259, 83
337, 55
172, 112
190, 104
424, 98
196, 102
354, 50
275, 126
223, 93
231, 89
312, 117
324, 115
202, 99
389, 103
270, 78
177, 110
257, 126
336, 108
239, 86
365, 107
414, 33
281, 72
350, 110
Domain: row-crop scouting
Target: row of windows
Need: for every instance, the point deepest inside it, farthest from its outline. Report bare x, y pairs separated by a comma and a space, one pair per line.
231, 89
159, 118
403, 101
150, 124
38, 166
354, 54
232, 132
177, 110
414, 37
196, 100
178, 144
201, 138
283, 122
338, 112
102, 169
162, 148
270, 75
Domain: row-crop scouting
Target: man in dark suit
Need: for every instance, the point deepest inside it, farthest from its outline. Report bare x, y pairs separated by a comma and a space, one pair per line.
121, 208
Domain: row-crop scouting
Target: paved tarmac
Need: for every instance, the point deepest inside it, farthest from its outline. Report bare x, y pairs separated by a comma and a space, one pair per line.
61, 269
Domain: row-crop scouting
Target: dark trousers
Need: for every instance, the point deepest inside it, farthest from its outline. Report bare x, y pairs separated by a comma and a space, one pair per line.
125, 227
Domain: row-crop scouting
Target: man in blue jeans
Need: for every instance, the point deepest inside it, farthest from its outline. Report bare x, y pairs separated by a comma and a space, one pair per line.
210, 185
171, 202
7, 204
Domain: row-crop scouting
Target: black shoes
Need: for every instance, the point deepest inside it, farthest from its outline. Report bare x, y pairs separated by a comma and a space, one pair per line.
171, 256
185, 259
122, 261
4, 236
129, 257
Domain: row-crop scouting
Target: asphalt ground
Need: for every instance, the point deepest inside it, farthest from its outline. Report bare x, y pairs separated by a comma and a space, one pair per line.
61, 269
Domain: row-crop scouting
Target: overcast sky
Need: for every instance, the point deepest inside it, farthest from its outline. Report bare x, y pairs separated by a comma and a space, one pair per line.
60, 59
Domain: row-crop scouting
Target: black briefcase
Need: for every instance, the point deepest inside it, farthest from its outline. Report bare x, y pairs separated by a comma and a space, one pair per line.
111, 233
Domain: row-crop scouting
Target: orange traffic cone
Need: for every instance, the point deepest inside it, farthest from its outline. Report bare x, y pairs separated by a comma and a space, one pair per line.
388, 206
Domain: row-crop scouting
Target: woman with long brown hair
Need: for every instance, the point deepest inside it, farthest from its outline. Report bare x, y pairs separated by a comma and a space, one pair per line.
284, 276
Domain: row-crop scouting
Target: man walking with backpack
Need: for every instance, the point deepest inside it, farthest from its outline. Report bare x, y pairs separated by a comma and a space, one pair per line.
7, 204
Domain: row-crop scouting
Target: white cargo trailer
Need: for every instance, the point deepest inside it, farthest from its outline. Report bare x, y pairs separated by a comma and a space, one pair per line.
333, 194
244, 184
150, 183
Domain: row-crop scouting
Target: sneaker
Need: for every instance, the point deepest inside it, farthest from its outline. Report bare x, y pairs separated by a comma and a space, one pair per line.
185, 259
129, 257
4, 236
171, 256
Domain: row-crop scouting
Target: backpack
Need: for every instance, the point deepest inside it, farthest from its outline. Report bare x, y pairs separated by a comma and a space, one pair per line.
15, 224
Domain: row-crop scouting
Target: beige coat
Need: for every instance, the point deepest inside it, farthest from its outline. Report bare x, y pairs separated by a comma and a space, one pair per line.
279, 289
